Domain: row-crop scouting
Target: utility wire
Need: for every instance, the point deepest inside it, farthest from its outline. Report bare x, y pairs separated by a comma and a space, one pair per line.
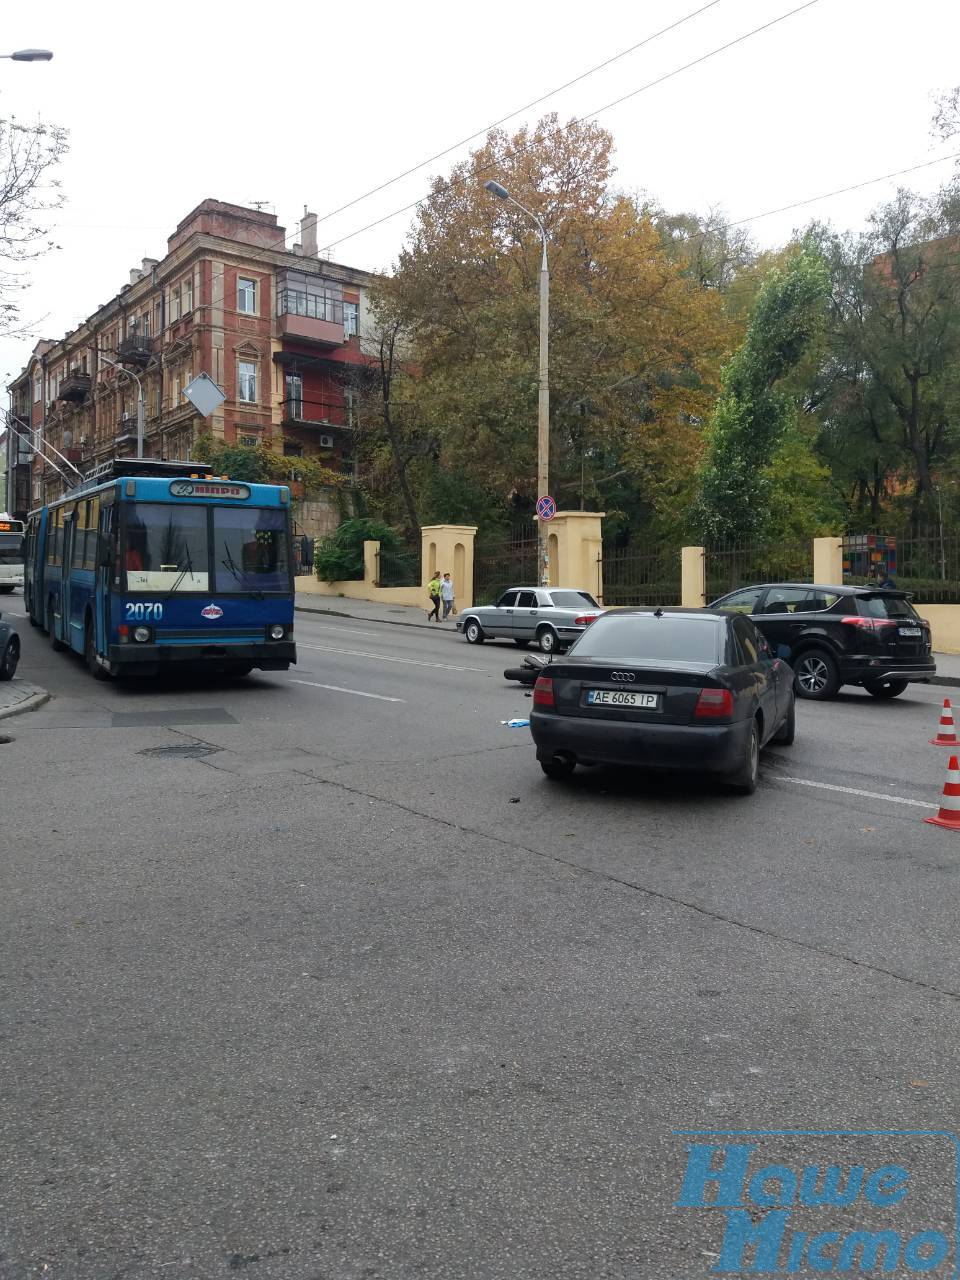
480, 133
713, 53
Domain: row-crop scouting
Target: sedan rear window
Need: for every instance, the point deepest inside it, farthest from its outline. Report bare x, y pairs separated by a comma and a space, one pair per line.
572, 600
885, 606
639, 637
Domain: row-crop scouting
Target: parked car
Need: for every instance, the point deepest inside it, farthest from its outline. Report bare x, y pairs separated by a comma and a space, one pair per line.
9, 650
831, 636
664, 688
554, 618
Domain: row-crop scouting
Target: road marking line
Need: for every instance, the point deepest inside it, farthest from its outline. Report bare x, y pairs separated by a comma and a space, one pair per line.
382, 657
345, 631
335, 688
854, 791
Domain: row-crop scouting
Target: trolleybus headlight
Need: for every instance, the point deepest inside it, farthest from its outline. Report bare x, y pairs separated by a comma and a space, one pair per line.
141, 634
276, 632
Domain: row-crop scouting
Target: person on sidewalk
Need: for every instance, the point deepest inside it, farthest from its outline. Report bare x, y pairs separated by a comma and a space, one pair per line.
433, 591
446, 595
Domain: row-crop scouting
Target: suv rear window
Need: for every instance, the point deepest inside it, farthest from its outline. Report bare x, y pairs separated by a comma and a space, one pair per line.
638, 637
885, 606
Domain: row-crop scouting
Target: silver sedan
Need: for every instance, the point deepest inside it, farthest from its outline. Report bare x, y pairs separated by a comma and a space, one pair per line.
553, 618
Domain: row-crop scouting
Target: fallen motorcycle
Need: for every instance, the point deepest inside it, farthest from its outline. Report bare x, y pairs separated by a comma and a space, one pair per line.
533, 664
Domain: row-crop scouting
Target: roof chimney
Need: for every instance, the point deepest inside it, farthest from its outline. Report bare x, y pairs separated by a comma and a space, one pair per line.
308, 233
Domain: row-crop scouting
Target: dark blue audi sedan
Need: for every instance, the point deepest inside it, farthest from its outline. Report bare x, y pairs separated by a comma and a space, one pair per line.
666, 689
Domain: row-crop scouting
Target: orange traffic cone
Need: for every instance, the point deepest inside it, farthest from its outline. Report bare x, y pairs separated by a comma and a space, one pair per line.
949, 815
947, 735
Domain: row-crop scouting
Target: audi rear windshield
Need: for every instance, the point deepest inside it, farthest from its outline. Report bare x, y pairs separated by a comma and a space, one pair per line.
645, 638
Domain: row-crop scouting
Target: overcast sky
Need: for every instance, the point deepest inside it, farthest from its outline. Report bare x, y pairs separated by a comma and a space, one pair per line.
300, 103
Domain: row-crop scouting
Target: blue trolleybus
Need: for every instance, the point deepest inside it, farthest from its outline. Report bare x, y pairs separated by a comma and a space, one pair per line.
150, 565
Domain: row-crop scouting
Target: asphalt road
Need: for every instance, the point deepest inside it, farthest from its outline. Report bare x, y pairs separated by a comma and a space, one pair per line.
351, 990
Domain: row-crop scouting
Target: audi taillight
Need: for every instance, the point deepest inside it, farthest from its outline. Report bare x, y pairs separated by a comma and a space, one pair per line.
585, 619
543, 692
868, 624
714, 704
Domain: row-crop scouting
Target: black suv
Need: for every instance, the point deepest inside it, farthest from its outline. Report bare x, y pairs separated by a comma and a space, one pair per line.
840, 635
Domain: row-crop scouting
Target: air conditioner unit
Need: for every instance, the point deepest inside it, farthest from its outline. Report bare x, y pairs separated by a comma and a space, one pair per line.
326, 442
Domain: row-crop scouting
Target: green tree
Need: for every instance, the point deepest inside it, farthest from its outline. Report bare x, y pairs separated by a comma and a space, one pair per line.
339, 558
755, 410
890, 418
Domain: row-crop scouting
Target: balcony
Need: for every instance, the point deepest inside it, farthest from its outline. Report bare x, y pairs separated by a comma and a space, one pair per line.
297, 412
76, 386
135, 349
310, 318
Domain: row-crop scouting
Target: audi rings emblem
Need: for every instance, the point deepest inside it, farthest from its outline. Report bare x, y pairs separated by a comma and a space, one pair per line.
622, 675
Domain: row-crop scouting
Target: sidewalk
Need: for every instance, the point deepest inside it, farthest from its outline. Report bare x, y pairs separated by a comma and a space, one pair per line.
948, 664
400, 615
16, 696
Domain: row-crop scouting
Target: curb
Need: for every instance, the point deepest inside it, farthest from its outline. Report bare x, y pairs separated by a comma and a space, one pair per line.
952, 682
28, 704
359, 617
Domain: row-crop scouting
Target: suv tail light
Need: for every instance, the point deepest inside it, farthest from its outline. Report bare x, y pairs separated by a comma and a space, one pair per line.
585, 619
714, 704
868, 624
543, 692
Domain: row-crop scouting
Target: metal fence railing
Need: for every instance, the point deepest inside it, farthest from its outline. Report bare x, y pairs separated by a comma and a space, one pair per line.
922, 560
509, 562
643, 574
398, 567
732, 565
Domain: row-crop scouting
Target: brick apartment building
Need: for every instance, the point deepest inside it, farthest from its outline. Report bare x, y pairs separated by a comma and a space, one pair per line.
274, 325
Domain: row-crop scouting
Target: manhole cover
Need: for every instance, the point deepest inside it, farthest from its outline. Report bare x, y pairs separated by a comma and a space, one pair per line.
189, 751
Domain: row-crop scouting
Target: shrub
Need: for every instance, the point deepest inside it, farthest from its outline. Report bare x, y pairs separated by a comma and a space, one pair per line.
339, 558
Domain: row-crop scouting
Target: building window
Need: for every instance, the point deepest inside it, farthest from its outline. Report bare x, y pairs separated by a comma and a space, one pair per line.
37, 389
174, 304
145, 325
351, 318
246, 296
292, 450
294, 395
250, 442
247, 381
188, 295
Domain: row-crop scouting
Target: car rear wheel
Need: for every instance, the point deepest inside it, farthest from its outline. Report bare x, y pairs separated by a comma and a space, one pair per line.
5, 589
474, 632
521, 644
788, 730
558, 768
745, 778
886, 688
816, 675
10, 658
547, 640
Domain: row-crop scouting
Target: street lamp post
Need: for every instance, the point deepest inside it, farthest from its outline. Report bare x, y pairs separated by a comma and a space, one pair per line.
543, 398
29, 55
141, 409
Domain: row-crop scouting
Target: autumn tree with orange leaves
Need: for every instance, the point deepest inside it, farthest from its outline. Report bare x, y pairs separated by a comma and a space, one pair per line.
636, 341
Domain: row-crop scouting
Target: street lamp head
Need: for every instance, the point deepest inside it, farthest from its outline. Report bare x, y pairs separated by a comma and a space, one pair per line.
32, 55
495, 189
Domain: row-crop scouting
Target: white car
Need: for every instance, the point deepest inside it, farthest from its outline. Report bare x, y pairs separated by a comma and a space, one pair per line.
552, 617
